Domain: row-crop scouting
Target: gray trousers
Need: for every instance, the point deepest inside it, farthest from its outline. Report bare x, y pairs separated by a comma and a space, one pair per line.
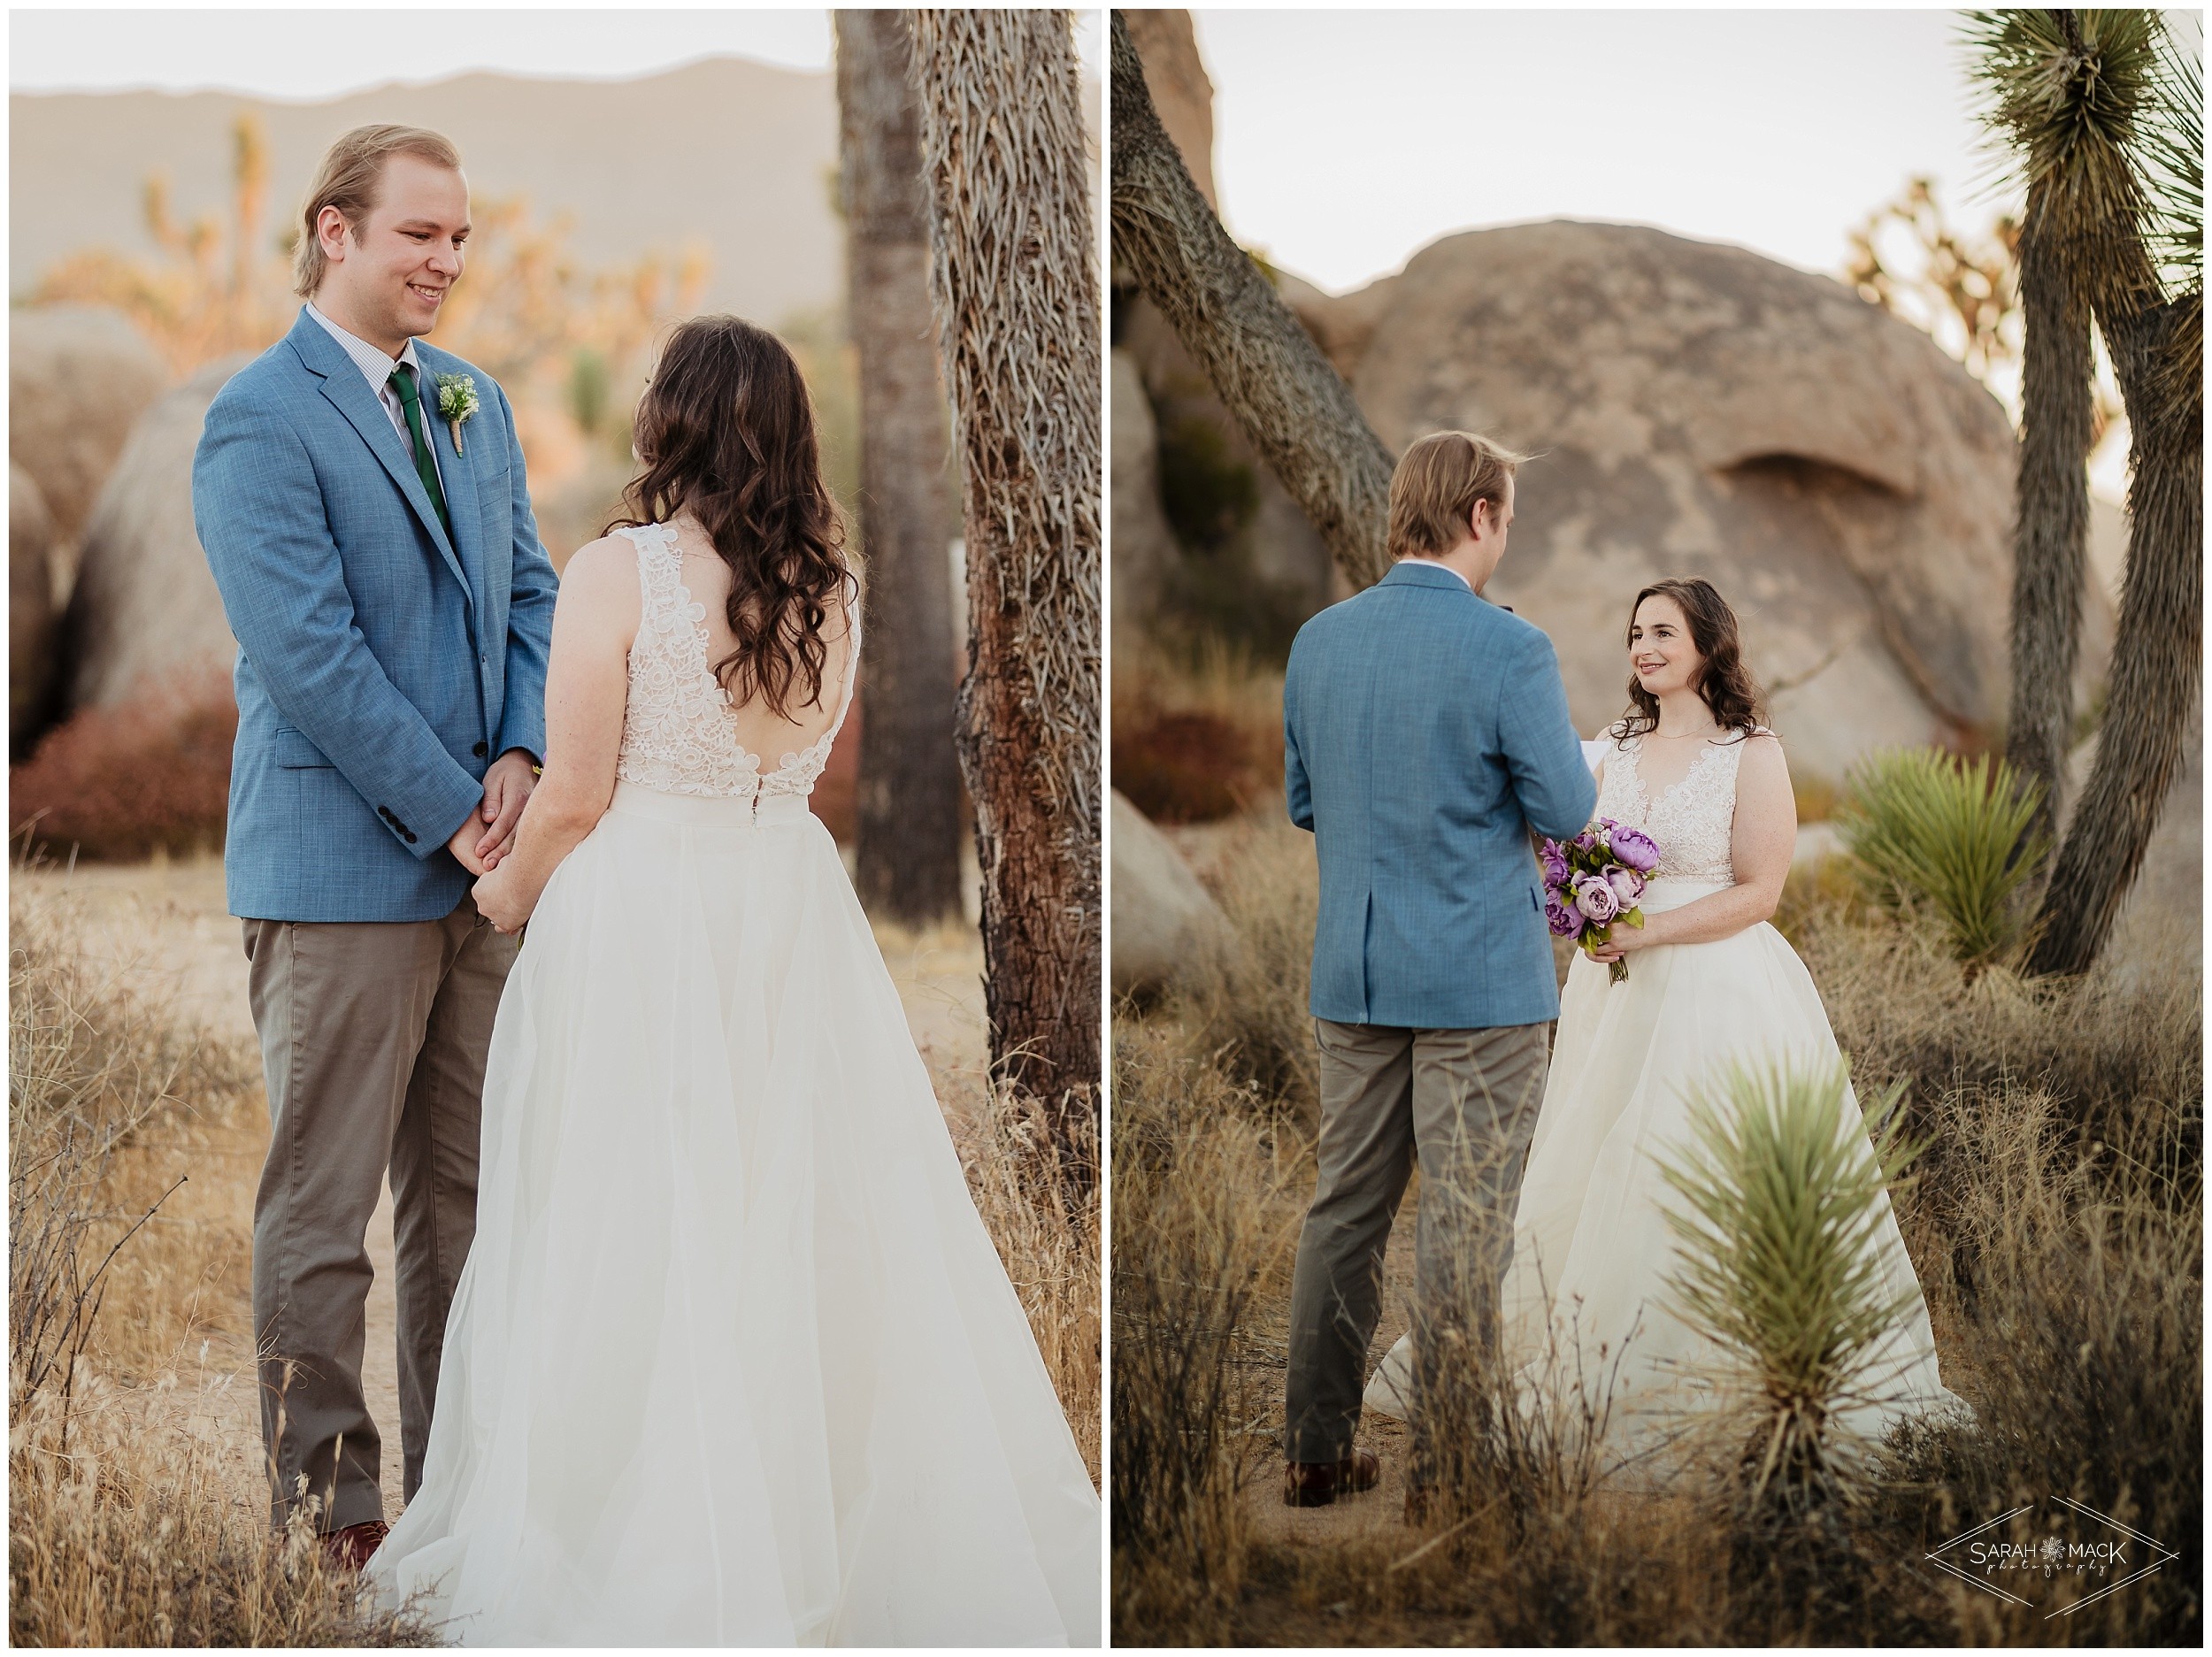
1465, 1102
373, 1037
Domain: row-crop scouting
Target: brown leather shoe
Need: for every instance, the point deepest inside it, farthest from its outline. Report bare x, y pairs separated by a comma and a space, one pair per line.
1317, 1484
350, 1549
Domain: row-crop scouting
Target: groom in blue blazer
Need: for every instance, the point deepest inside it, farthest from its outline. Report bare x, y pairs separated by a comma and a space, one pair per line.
1425, 736
361, 500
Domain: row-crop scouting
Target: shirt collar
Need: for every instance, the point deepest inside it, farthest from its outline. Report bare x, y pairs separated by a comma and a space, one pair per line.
370, 359
1423, 564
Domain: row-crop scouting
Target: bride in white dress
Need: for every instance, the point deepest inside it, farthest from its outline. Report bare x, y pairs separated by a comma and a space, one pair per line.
1711, 984
733, 1361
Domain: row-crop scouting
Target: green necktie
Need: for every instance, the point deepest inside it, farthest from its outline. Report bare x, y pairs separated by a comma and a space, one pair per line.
426, 465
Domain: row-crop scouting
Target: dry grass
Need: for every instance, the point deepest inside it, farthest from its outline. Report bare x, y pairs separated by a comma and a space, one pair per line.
126, 1526
2057, 1226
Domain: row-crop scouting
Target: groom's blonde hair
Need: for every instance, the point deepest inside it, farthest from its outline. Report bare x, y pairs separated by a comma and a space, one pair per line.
351, 178
1433, 492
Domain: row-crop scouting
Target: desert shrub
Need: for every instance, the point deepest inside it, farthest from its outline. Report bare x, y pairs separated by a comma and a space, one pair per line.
1930, 828
1197, 732
122, 1530
151, 773
1196, 1190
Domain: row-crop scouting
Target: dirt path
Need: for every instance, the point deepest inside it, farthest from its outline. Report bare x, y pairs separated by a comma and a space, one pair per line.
163, 928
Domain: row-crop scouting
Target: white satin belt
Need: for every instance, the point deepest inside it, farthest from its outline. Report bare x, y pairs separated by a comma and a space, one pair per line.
713, 811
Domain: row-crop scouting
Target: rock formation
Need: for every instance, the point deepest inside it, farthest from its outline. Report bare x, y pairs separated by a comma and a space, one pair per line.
31, 613
1700, 410
145, 608
1163, 919
79, 377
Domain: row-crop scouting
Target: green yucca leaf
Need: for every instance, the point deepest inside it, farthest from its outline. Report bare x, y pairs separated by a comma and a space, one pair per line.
1778, 1257
1929, 828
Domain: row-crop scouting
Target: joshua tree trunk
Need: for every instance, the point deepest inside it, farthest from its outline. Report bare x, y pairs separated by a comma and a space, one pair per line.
909, 779
2157, 659
2050, 530
1015, 283
1290, 401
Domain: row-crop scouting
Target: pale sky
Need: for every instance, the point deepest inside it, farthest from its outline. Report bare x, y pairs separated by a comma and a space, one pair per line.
307, 53
1346, 141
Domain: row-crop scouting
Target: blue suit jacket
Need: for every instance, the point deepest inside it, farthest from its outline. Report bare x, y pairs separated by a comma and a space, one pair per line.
382, 664
1424, 732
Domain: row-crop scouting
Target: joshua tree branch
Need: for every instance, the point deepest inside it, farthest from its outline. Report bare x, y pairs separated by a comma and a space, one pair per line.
1291, 404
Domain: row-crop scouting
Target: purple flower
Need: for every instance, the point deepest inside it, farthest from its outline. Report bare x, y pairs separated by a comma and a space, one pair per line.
1554, 862
1627, 884
1587, 840
1636, 848
1563, 922
1596, 899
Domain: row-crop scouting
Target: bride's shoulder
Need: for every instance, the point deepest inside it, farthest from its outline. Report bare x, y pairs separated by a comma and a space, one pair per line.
601, 579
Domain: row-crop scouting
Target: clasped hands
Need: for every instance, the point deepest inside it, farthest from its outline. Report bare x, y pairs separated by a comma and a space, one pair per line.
488, 835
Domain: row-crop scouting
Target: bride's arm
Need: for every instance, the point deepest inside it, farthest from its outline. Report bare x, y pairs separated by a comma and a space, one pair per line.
587, 686
1760, 846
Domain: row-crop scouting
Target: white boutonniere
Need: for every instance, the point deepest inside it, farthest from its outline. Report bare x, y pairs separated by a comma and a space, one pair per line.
456, 401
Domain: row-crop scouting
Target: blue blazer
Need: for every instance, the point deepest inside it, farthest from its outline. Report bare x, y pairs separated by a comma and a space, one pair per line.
382, 664
1424, 733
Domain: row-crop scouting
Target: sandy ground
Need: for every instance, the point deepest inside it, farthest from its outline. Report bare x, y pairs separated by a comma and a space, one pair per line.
162, 926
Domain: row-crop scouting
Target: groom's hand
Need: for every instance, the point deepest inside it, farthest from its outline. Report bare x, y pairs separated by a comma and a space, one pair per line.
507, 787
463, 845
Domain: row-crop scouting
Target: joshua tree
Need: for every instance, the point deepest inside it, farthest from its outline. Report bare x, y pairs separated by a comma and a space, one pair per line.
1015, 283
2106, 120
1292, 405
910, 777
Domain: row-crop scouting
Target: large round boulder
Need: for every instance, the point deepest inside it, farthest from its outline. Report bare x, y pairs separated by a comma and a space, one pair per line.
79, 377
31, 616
1701, 409
1165, 923
144, 608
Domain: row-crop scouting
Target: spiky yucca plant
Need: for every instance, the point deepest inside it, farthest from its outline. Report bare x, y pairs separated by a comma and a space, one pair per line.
1956, 835
1778, 1263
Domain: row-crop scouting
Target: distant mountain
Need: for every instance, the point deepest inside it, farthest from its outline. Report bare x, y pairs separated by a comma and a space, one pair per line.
735, 155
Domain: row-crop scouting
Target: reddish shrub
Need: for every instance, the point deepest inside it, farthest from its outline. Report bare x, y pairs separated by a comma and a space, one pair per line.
121, 782
1186, 767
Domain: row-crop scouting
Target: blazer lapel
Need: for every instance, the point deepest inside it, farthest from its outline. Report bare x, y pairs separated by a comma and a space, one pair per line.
457, 473
348, 390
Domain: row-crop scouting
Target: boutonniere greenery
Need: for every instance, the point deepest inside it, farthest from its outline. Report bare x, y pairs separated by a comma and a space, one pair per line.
456, 401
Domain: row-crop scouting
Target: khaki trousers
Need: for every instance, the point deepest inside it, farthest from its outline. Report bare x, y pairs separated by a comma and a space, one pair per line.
1463, 1102
373, 1037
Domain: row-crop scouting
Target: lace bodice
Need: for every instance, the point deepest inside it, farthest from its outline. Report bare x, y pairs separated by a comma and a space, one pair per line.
1693, 821
677, 734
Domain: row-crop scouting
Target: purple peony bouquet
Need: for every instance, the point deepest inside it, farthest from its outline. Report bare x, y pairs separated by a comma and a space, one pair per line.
1595, 880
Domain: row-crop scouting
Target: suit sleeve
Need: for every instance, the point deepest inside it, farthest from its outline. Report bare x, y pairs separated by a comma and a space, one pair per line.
1297, 792
258, 508
529, 614
1542, 752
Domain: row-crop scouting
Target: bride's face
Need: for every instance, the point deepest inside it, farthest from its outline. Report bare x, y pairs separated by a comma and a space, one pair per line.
1660, 649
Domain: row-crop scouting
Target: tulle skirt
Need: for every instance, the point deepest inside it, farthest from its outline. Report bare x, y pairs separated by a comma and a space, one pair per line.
1584, 1303
732, 1359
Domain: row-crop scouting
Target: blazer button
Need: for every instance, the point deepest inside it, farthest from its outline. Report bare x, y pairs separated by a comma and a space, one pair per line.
410, 834
480, 749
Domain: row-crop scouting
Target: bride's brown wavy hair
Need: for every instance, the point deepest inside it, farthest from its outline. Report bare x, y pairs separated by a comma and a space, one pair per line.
1725, 682
725, 432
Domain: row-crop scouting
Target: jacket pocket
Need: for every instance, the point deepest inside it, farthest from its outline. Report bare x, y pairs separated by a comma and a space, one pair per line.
289, 750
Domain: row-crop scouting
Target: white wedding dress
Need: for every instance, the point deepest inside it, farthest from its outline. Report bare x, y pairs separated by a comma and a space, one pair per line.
733, 1361
1591, 1245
